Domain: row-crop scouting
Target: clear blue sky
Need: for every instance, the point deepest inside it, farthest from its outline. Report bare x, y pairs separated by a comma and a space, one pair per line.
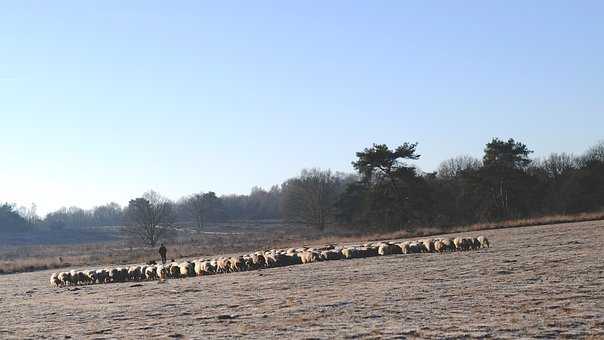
103, 100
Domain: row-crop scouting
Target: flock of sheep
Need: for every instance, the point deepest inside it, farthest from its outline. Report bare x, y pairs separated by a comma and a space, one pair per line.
263, 259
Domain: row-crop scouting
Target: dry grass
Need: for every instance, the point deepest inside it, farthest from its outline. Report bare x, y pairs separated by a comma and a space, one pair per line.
533, 283
32, 258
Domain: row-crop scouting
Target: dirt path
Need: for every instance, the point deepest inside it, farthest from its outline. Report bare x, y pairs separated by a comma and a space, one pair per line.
545, 281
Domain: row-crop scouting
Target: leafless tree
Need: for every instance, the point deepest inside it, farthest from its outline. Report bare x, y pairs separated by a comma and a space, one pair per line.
147, 217
310, 198
455, 166
557, 165
201, 206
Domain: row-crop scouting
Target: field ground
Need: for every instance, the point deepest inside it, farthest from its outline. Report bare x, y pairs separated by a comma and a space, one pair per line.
534, 282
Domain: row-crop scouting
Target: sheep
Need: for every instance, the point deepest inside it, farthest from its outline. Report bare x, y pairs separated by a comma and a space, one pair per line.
102, 275
258, 260
172, 271
404, 247
270, 260
282, 260
414, 248
353, 253
466, 243
186, 269
427, 245
439, 246
151, 273
64, 278
163, 271
448, 244
236, 264
55, 281
310, 256
134, 273
203, 268
248, 263
457, 242
289, 260
222, 265
484, 242
328, 255
475, 243
124, 274
91, 277
388, 249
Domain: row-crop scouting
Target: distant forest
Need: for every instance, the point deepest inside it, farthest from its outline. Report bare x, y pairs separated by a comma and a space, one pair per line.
387, 192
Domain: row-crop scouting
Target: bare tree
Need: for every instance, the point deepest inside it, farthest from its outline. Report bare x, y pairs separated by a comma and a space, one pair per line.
594, 153
147, 218
201, 207
310, 198
557, 165
455, 166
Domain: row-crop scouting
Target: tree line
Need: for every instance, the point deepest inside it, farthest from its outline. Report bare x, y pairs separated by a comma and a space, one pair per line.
387, 191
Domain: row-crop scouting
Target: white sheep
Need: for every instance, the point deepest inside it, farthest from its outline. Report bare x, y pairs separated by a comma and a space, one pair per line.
186, 269
439, 246
458, 243
151, 272
388, 249
484, 242
310, 256
55, 280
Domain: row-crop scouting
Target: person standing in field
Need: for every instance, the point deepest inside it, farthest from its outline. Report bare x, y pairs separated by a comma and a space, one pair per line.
162, 253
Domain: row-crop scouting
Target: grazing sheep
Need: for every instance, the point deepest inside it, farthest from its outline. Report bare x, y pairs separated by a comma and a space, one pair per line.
258, 260
102, 275
484, 242
114, 274
73, 277
172, 270
162, 272
222, 265
427, 245
134, 273
204, 268
466, 243
310, 256
248, 263
282, 260
439, 246
458, 243
270, 260
353, 253
329, 255
64, 278
388, 249
404, 247
448, 244
237, 264
293, 259
55, 280
414, 248
91, 277
151, 272
186, 269
124, 274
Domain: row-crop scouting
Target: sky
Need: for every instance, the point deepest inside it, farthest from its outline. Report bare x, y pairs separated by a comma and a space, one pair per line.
103, 100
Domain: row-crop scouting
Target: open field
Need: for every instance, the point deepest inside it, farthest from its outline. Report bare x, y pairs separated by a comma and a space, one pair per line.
541, 281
